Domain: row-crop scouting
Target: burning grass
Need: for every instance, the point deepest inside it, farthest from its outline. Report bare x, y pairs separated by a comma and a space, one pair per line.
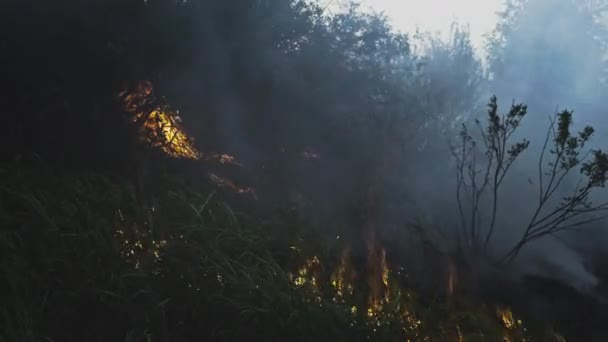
77, 249
396, 310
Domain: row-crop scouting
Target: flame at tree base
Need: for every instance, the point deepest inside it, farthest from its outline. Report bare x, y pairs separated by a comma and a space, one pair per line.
379, 310
395, 305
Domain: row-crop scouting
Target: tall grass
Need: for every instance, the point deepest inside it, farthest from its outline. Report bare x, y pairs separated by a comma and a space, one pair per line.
79, 261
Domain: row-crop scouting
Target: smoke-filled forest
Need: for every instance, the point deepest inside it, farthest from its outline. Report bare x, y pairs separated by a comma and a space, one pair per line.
276, 170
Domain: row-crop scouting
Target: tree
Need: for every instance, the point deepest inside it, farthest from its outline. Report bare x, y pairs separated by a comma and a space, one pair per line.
451, 78
66, 61
481, 171
549, 53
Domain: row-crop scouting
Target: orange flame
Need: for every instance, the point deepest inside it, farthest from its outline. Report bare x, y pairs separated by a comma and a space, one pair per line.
159, 125
307, 273
340, 277
452, 277
506, 317
378, 276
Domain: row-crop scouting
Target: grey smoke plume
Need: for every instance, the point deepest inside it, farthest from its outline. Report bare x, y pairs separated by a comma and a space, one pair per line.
550, 55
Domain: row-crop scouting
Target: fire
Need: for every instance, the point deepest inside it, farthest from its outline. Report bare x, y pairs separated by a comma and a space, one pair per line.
383, 307
164, 132
377, 277
413, 322
306, 274
452, 277
136, 248
380, 294
506, 317
160, 126
513, 327
460, 338
339, 278
377, 312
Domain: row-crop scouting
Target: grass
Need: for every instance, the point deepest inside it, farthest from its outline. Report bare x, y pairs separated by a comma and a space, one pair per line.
80, 262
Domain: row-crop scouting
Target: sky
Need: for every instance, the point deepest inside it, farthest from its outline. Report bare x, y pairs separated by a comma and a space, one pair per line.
437, 15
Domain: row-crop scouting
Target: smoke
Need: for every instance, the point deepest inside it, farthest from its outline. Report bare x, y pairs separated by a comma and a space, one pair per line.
545, 54
549, 55
274, 81
381, 115
552, 57
335, 114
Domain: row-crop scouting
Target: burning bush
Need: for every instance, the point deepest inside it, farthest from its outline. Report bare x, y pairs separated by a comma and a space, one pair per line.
159, 125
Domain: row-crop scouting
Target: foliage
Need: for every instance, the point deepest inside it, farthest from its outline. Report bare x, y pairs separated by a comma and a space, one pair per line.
80, 263
451, 77
483, 171
289, 77
528, 62
336, 111
500, 157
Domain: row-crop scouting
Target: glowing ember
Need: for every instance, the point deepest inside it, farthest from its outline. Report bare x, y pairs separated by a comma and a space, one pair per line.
377, 312
223, 159
136, 249
506, 317
227, 183
306, 274
158, 124
460, 338
413, 322
339, 280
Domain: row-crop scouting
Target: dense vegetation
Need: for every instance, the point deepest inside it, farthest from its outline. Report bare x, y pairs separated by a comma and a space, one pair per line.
267, 170
82, 264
